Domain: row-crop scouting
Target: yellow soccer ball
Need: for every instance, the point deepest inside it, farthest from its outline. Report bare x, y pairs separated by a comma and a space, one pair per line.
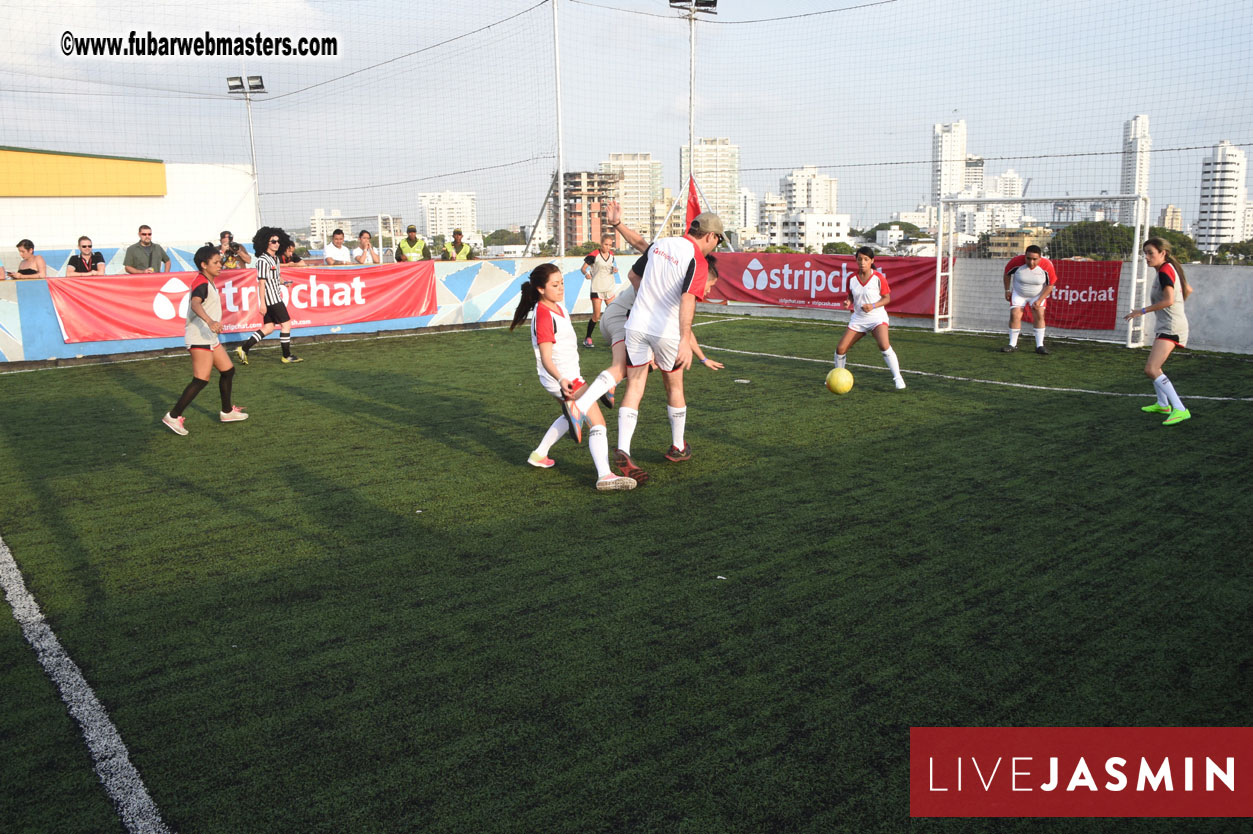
839, 381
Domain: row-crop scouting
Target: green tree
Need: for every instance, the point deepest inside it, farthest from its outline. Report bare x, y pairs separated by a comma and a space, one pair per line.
839, 248
503, 237
1100, 241
587, 247
908, 228
1183, 247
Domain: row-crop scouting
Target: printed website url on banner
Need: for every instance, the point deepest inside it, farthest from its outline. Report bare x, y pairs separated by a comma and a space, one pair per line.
149, 45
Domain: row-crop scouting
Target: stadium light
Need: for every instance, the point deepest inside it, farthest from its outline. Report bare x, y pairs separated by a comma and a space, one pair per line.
235, 86
704, 6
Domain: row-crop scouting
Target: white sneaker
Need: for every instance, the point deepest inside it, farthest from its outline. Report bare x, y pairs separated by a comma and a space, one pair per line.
900, 382
612, 481
233, 416
175, 423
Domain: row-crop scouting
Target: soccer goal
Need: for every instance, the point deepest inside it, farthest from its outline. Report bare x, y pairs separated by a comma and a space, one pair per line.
1093, 242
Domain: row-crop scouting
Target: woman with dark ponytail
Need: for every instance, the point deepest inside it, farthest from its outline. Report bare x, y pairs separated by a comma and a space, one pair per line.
557, 363
1167, 295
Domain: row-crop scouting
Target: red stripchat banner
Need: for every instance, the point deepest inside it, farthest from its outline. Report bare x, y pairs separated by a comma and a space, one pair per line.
821, 281
155, 306
1085, 296
1081, 771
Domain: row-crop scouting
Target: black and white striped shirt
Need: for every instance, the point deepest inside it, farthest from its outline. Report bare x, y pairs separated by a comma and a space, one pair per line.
267, 274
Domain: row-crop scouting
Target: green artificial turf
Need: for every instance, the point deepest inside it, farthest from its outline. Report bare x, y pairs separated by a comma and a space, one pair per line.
361, 610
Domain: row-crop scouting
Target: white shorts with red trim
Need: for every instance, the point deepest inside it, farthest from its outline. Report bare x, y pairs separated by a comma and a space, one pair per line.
1016, 300
863, 322
644, 347
613, 324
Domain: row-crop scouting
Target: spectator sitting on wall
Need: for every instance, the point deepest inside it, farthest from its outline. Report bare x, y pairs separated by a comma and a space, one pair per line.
365, 253
145, 256
234, 256
32, 265
412, 248
458, 251
86, 262
336, 252
288, 256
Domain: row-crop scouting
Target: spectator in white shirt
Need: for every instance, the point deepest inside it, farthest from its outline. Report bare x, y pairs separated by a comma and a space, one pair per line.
365, 253
336, 253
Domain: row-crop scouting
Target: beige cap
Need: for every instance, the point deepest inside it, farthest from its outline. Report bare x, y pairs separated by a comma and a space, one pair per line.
708, 223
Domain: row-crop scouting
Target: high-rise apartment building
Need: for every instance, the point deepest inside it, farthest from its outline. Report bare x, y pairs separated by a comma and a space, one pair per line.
948, 160
1171, 218
716, 163
972, 180
587, 195
805, 190
749, 210
1224, 193
639, 186
1136, 144
449, 210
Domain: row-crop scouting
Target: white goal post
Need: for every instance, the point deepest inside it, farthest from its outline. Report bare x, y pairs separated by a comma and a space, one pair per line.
1093, 242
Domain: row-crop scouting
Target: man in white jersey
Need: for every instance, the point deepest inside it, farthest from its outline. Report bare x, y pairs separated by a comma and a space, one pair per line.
1029, 279
336, 252
669, 279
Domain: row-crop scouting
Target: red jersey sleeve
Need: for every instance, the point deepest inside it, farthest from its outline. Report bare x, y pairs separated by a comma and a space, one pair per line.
1166, 276
698, 279
545, 330
1014, 263
884, 289
1050, 270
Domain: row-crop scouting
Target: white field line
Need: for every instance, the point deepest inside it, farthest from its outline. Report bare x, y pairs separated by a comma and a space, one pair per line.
113, 765
968, 378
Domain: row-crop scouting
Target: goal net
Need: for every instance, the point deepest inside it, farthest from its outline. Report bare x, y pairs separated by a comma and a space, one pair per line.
1093, 244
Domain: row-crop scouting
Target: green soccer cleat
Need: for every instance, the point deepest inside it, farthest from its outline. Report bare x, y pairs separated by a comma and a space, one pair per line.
1156, 409
1177, 416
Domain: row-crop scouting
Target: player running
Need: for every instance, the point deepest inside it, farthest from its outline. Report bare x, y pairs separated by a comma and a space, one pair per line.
269, 241
557, 363
1029, 279
1167, 296
868, 297
204, 324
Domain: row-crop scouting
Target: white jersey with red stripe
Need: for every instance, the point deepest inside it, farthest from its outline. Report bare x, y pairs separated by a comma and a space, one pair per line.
671, 267
871, 292
1029, 282
553, 326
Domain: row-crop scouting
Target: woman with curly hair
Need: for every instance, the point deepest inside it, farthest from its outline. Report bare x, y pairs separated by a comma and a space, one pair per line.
267, 243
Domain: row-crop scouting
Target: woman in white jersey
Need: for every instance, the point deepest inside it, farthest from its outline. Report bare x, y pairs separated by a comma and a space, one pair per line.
204, 324
601, 270
1167, 296
868, 297
557, 363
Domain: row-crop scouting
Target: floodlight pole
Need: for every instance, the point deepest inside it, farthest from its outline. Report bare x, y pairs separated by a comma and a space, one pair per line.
560, 180
252, 149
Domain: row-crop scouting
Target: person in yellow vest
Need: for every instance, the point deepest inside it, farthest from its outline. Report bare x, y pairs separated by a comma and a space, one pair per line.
412, 248
458, 251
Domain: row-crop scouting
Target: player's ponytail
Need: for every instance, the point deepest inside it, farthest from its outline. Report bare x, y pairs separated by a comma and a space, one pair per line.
1162, 245
530, 292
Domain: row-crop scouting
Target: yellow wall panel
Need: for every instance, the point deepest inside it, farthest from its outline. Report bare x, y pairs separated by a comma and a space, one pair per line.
28, 173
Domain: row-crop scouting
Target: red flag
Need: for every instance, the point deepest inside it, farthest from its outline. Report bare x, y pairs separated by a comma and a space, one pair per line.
693, 204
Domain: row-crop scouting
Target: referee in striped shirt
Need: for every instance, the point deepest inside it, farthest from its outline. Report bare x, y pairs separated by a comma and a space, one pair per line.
269, 241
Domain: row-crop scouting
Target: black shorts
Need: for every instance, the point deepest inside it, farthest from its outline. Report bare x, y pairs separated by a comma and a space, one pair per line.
1170, 337
600, 295
276, 314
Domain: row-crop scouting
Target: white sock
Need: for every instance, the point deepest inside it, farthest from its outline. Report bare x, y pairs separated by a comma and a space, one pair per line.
678, 420
889, 357
1164, 387
598, 443
841, 359
604, 382
1039, 337
627, 418
1013, 336
554, 433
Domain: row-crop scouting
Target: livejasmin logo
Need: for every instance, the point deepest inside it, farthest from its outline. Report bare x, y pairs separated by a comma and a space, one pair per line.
1080, 772
757, 277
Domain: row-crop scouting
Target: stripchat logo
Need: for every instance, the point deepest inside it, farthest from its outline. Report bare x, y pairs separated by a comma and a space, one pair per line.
171, 300
1080, 771
814, 281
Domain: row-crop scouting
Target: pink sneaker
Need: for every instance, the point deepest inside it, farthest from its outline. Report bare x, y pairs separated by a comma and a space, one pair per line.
175, 423
233, 416
541, 462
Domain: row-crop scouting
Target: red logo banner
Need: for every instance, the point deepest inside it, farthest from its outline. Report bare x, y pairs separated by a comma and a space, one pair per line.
1080, 771
821, 281
155, 306
1085, 297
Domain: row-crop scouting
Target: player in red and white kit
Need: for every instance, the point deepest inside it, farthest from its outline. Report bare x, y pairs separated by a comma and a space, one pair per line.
868, 297
669, 279
1029, 279
557, 363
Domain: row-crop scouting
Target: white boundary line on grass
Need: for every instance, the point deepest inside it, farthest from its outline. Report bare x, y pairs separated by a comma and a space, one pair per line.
968, 378
113, 764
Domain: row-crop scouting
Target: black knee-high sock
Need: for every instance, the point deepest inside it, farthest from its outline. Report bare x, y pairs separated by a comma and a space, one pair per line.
225, 379
591, 325
253, 341
189, 393
284, 341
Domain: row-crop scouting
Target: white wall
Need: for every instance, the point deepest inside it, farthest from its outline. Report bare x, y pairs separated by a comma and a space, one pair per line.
200, 201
